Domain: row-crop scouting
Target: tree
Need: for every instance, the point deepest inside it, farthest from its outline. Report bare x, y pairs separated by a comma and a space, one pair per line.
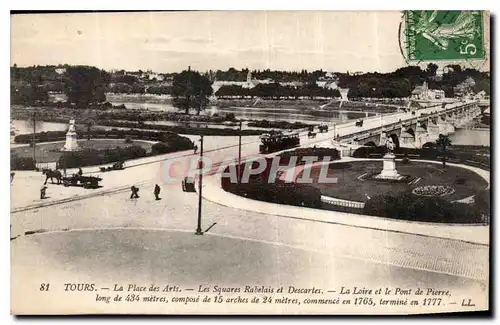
431, 69
443, 142
86, 85
191, 90
89, 123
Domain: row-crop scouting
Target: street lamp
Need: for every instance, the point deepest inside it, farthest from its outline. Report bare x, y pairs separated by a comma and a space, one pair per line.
34, 139
200, 181
239, 154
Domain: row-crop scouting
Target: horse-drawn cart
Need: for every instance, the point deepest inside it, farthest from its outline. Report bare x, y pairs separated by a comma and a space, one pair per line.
84, 181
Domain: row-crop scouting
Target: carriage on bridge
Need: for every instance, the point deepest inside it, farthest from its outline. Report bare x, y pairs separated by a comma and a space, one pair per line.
278, 141
323, 128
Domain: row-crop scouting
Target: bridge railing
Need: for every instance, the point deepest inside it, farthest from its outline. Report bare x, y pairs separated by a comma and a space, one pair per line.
362, 133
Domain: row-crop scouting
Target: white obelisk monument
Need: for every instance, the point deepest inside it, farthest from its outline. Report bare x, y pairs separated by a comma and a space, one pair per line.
71, 138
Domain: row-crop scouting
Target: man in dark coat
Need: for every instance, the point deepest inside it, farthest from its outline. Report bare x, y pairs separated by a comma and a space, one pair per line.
134, 192
157, 192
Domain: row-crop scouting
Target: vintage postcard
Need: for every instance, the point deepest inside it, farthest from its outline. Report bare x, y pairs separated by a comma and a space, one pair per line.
250, 162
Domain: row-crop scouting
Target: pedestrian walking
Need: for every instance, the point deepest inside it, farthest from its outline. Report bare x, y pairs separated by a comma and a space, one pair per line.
195, 149
80, 172
12, 174
134, 194
157, 192
43, 191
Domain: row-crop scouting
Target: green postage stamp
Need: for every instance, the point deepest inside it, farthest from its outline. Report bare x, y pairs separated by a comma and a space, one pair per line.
444, 35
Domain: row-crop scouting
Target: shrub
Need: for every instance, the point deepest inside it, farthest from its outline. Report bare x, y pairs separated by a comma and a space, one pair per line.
171, 142
482, 202
320, 152
278, 124
281, 193
89, 157
22, 163
230, 117
417, 208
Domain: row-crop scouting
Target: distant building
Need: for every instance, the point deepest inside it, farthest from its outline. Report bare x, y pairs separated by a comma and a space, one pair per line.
423, 92
329, 81
249, 83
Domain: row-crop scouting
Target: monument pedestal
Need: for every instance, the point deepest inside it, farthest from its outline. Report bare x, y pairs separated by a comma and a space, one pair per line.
71, 138
389, 170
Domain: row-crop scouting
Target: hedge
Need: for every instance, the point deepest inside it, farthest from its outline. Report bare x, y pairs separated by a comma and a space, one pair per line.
90, 157
198, 130
280, 192
98, 133
22, 163
278, 124
259, 188
320, 152
407, 206
467, 158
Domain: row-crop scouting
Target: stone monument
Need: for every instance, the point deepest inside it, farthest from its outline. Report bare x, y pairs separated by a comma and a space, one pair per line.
71, 138
389, 171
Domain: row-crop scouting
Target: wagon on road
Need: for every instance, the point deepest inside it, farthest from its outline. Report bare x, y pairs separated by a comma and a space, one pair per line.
84, 181
116, 166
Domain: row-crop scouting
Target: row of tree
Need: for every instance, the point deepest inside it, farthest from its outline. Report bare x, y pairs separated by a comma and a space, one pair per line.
233, 74
276, 91
401, 82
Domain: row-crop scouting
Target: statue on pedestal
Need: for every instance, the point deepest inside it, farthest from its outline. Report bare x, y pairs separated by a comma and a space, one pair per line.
71, 138
389, 146
389, 171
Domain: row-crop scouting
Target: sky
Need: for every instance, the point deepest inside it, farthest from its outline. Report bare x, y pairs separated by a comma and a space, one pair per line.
171, 41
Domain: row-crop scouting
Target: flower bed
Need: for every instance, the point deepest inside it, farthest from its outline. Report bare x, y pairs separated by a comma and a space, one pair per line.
433, 190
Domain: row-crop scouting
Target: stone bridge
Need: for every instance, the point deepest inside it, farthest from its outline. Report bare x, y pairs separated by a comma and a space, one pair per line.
416, 129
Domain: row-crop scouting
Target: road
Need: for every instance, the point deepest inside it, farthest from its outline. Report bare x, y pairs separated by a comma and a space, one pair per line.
104, 238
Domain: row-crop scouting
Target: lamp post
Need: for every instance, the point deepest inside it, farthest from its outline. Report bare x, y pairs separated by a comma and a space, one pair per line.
34, 139
239, 154
200, 181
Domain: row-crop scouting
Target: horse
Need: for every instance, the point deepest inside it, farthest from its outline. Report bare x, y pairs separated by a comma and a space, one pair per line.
52, 174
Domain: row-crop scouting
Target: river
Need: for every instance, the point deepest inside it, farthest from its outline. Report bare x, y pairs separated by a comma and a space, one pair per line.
473, 137
460, 137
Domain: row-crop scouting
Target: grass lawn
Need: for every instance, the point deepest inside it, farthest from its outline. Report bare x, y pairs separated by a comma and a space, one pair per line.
349, 187
49, 152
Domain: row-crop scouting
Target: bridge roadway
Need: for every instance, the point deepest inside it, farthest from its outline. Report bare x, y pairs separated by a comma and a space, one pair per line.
104, 237
375, 123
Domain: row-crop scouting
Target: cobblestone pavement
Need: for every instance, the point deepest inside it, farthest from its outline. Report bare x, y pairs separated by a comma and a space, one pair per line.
178, 210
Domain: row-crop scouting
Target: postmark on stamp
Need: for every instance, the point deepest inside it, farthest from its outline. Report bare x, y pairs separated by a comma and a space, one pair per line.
444, 35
